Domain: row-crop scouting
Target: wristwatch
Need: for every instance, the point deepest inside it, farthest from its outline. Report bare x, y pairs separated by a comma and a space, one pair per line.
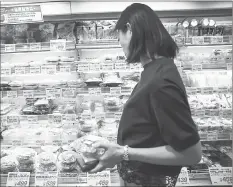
126, 153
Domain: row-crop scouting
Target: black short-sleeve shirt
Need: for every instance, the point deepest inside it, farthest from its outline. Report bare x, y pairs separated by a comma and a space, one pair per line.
157, 114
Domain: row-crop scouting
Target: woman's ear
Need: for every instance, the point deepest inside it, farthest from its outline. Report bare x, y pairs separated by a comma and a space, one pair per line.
128, 27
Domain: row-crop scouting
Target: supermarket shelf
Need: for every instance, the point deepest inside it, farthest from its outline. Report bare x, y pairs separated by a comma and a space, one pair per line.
32, 47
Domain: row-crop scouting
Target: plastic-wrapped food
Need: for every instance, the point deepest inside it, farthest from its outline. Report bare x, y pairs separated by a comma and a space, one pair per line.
66, 31
67, 161
111, 80
46, 31
46, 161
85, 31
21, 30
8, 164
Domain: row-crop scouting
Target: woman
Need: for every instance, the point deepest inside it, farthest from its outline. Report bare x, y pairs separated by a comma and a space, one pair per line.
156, 135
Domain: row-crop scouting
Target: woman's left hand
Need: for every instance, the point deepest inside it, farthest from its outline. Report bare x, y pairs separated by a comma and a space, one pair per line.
112, 156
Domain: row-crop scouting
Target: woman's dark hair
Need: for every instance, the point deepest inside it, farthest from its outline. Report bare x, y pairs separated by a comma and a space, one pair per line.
149, 36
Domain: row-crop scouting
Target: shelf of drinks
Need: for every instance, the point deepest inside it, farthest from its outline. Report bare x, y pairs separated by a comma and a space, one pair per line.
206, 178
108, 67
38, 47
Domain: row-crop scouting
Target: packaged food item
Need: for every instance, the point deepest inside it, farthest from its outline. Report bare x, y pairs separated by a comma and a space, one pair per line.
16, 85
30, 85
67, 162
69, 109
25, 158
46, 161
5, 85
112, 104
5, 152
46, 32
93, 81
8, 164
50, 148
88, 125
67, 59
5, 108
79, 83
66, 31
111, 80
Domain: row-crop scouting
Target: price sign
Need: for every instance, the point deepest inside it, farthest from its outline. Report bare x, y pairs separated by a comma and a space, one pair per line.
216, 39
196, 67
221, 175
222, 89
9, 48
200, 113
94, 91
32, 119
46, 179
212, 136
94, 67
18, 179
115, 90
28, 93
65, 68
58, 45
69, 118
229, 66
191, 91
198, 40
49, 69
35, 46
53, 93
20, 70
135, 66
35, 69
5, 71
57, 119
12, 120
183, 179
99, 179
118, 115
207, 90
107, 66
120, 66
68, 92
83, 67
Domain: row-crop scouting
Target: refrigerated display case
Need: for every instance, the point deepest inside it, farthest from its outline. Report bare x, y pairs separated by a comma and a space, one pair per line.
67, 77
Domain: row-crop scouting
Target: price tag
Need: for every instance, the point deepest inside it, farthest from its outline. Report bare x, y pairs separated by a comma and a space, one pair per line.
94, 67
207, 90
196, 67
183, 179
198, 40
216, 39
58, 45
221, 175
40, 142
69, 118
33, 119
115, 90
65, 68
135, 66
83, 67
199, 113
126, 90
68, 92
35, 46
53, 93
28, 93
229, 66
118, 115
20, 70
212, 136
49, 69
18, 179
94, 91
35, 69
107, 66
191, 91
120, 66
57, 119
12, 94
12, 120
222, 89
9, 48
5, 71
99, 179
46, 179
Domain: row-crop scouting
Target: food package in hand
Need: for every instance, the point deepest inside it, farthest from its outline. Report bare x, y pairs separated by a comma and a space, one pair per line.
66, 31
88, 152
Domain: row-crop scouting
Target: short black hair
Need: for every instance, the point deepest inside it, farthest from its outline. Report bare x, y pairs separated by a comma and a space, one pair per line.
149, 36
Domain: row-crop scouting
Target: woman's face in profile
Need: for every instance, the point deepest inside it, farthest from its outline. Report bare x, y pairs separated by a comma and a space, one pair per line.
124, 39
